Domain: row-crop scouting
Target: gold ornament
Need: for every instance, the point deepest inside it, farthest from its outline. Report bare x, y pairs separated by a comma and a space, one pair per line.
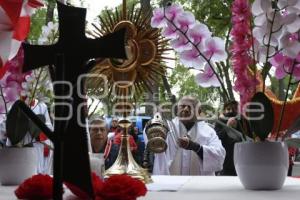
142, 69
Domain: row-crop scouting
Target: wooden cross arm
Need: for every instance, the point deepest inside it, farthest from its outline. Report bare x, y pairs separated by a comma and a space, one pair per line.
46, 56
109, 46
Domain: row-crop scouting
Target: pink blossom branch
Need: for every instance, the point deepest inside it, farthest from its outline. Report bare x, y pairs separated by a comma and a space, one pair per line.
36, 85
184, 33
267, 67
285, 101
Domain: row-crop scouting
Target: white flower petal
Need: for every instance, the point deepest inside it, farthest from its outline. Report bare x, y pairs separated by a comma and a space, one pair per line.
294, 26
191, 58
256, 8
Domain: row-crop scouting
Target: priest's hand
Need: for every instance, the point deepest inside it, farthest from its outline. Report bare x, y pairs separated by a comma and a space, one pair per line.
186, 143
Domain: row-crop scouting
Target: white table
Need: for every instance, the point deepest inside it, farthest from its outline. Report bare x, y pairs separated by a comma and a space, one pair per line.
199, 188
224, 188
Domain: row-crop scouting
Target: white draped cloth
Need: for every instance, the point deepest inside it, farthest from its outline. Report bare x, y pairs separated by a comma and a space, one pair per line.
178, 161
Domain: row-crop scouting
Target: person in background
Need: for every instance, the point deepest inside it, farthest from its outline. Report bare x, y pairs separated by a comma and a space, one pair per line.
117, 139
114, 125
292, 154
133, 132
193, 146
101, 143
233, 119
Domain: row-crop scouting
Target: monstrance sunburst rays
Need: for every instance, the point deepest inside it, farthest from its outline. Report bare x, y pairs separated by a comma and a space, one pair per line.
146, 54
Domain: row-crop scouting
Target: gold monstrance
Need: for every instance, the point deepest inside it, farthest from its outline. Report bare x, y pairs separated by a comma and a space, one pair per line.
143, 69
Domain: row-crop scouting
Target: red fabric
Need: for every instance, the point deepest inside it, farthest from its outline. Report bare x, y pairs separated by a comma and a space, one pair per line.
35, 3
289, 114
37, 187
2, 69
22, 28
43, 137
122, 187
12, 9
107, 149
97, 186
117, 140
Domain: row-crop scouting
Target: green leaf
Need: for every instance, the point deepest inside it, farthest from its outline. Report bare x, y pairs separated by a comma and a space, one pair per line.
17, 125
261, 121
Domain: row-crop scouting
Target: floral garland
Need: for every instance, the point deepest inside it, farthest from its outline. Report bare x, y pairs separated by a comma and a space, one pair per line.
118, 187
245, 82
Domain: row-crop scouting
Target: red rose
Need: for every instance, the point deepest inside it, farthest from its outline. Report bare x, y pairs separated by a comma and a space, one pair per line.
38, 187
122, 187
97, 186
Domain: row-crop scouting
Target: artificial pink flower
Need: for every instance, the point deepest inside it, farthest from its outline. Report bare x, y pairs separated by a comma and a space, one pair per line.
169, 31
215, 49
289, 43
11, 81
284, 65
207, 78
192, 58
198, 33
181, 43
158, 20
173, 11
261, 7
11, 94
185, 21
189, 36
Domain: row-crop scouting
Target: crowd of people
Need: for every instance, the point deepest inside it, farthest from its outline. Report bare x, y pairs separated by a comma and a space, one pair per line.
194, 147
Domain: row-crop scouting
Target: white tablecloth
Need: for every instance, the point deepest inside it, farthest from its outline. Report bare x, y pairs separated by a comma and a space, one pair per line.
199, 188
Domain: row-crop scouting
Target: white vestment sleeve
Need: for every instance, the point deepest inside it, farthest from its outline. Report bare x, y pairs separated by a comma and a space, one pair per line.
213, 152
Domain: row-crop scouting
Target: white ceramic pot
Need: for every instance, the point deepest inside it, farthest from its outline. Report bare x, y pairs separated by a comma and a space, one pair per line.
261, 165
17, 164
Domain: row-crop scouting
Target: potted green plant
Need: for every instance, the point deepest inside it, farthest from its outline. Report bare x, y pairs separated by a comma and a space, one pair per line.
18, 158
261, 164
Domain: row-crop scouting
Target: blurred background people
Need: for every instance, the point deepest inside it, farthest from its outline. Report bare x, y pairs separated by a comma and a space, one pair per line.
232, 118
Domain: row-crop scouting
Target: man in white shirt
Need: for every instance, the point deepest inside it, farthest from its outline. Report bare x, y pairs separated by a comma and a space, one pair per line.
193, 146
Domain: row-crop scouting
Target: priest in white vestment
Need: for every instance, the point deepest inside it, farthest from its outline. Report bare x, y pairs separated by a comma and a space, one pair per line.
193, 146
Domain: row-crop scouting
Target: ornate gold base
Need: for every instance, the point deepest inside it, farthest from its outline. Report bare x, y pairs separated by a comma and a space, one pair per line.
125, 163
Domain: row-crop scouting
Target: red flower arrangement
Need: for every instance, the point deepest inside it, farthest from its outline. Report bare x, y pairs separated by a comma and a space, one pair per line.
97, 186
118, 187
38, 187
122, 187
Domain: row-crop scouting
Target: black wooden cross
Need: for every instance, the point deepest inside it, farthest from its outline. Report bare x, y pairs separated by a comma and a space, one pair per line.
70, 55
